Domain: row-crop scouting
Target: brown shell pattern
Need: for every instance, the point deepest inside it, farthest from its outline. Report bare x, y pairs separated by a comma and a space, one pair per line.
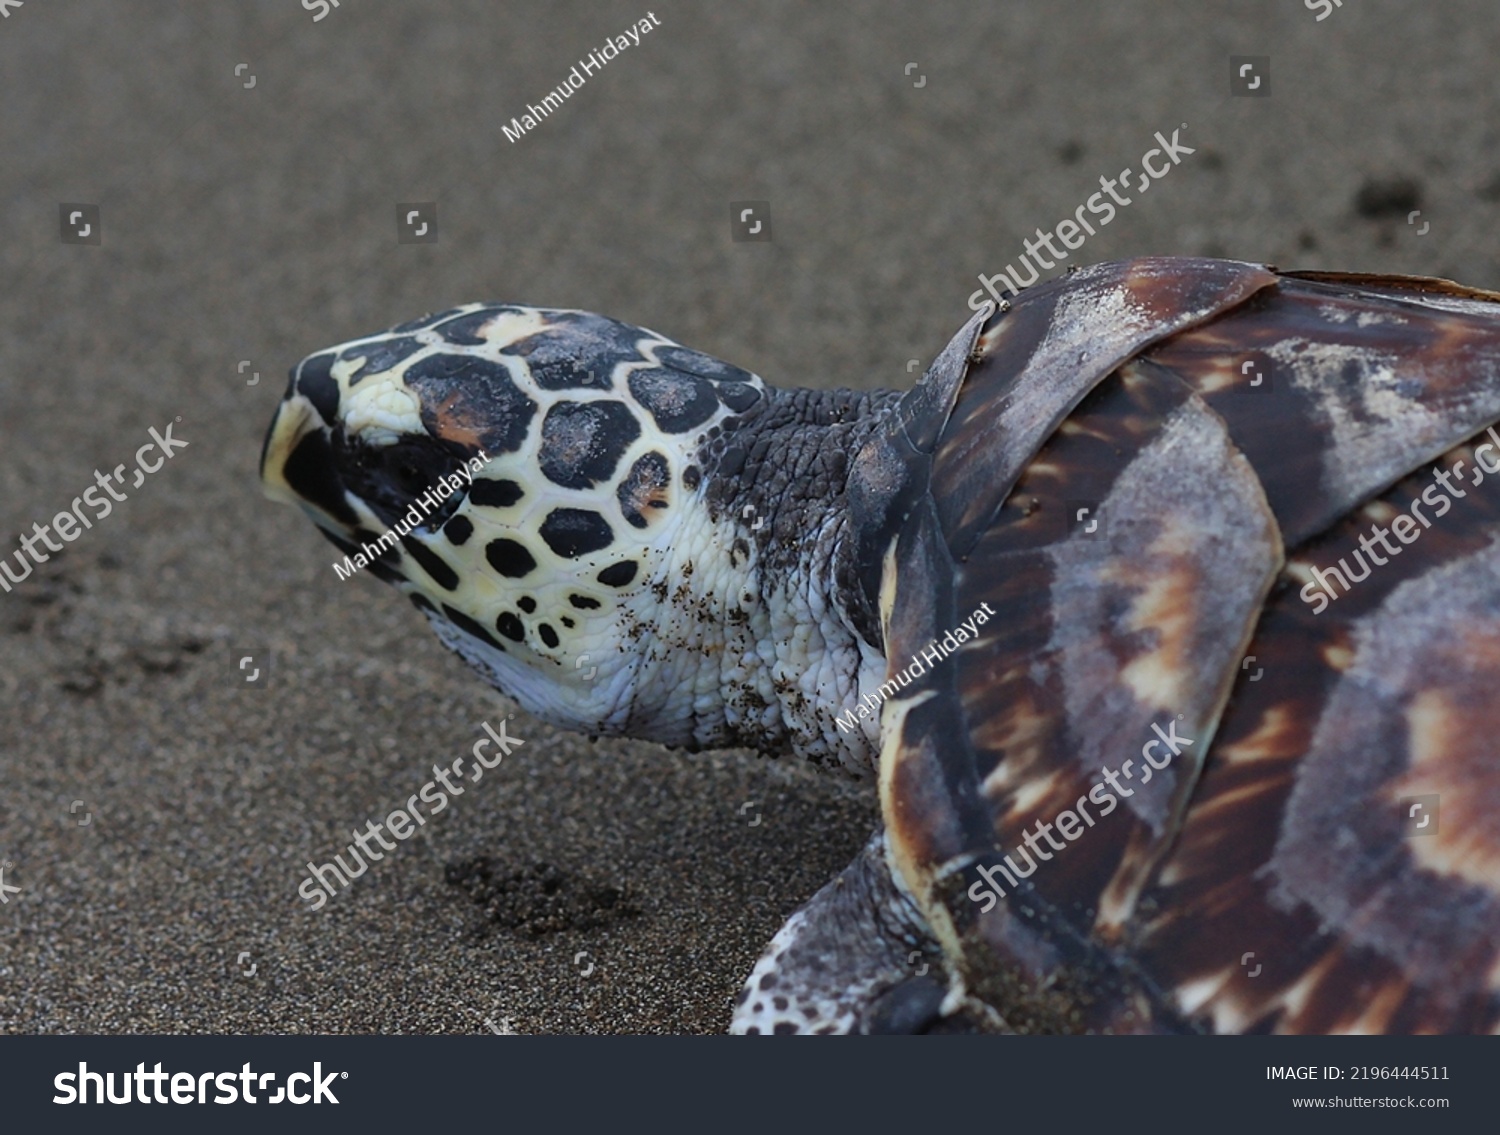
1164, 478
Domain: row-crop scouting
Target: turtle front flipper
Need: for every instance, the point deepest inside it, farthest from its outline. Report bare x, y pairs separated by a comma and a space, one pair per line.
857, 958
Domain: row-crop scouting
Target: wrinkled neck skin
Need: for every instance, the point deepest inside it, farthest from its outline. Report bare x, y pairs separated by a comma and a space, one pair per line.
752, 633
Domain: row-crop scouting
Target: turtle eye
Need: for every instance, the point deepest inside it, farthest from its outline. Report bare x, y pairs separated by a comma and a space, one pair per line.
411, 479
410, 468
389, 478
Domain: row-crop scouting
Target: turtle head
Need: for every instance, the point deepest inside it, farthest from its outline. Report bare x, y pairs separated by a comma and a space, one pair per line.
529, 479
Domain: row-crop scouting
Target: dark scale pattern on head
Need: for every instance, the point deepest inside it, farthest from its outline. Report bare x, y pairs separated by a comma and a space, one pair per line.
582, 442
291, 389
567, 622
494, 494
644, 487
317, 386
690, 361
421, 602
423, 321
432, 563
390, 478
464, 331
458, 530
382, 354
691, 478
526, 603
549, 636
738, 397
554, 354
617, 575
509, 558
471, 401
310, 471
509, 624
574, 532
469, 626
678, 402
382, 566
583, 602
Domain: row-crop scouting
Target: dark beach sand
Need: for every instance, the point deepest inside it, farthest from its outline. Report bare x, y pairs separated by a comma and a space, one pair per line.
259, 224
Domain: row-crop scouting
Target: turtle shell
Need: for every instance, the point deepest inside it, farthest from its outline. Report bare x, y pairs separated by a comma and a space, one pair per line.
1180, 743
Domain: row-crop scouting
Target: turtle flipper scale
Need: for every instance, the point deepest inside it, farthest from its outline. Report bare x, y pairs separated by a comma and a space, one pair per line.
856, 958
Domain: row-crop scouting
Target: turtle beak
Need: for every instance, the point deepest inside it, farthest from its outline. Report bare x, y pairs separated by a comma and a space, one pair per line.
293, 420
297, 466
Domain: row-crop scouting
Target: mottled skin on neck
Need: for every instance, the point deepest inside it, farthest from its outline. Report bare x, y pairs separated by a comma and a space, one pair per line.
801, 642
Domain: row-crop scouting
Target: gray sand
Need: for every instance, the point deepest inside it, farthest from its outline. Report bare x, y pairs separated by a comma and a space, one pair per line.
259, 224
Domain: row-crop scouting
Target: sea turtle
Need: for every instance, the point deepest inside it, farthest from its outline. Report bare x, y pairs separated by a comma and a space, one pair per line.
1165, 608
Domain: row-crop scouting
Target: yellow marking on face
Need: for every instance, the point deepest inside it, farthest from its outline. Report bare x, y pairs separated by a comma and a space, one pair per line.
512, 326
380, 408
